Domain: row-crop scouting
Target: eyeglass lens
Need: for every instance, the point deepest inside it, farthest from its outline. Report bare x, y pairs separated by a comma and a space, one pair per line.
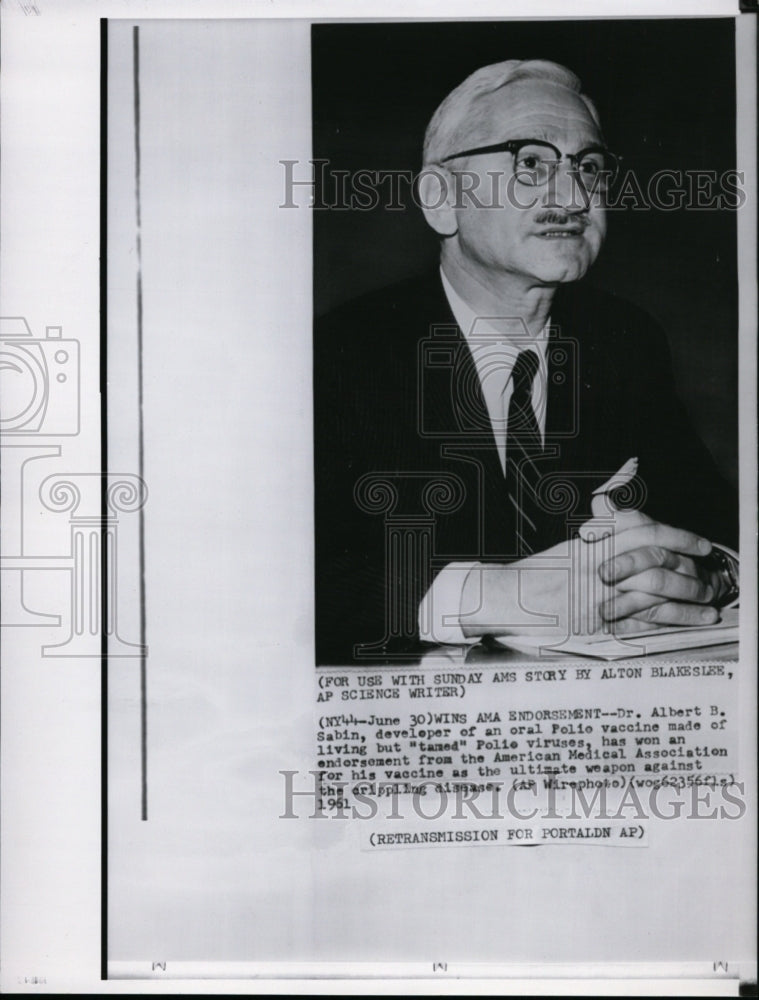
534, 165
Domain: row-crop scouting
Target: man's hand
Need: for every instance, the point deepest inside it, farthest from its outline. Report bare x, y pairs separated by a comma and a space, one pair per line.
656, 577
625, 573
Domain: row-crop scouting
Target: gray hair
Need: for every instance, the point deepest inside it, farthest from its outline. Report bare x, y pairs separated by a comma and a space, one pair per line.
461, 115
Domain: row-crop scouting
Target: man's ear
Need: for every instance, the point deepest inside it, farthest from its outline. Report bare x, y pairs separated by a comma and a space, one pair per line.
436, 191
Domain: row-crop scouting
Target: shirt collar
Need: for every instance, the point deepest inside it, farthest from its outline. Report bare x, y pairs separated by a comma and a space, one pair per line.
494, 355
478, 329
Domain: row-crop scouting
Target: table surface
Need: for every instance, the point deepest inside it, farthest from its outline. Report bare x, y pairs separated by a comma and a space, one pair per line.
409, 652
496, 654
723, 653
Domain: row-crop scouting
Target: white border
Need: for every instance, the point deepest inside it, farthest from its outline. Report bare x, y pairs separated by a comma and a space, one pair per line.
50, 229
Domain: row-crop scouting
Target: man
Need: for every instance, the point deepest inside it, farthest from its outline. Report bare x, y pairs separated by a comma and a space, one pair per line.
499, 449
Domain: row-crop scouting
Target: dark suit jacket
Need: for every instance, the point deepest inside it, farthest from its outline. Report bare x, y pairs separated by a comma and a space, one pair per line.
407, 474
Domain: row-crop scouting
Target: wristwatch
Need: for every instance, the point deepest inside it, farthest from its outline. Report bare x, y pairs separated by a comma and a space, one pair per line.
726, 566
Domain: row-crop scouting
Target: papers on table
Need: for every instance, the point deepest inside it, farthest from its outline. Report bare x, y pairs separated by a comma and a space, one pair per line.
610, 647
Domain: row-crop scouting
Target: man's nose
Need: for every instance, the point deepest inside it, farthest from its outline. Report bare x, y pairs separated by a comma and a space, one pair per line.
566, 191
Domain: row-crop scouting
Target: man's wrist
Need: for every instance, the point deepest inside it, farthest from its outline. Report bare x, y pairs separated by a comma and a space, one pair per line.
440, 609
486, 600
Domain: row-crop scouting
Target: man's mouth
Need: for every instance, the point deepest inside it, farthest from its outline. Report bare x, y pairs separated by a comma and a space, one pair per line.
566, 232
553, 225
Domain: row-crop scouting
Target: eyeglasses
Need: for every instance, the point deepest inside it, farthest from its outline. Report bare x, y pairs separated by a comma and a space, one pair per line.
595, 167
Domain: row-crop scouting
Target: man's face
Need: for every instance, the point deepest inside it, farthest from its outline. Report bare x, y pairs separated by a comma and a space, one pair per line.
545, 234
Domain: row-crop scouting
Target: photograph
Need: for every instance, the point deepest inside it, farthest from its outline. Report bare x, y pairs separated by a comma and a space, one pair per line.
379, 498
525, 284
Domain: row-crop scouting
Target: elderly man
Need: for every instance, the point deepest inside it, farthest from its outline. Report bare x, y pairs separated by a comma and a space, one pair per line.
498, 448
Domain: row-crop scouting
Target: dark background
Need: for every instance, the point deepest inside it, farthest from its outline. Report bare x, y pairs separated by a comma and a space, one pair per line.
665, 91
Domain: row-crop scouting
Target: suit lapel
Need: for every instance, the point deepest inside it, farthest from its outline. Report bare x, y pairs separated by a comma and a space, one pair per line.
452, 399
579, 423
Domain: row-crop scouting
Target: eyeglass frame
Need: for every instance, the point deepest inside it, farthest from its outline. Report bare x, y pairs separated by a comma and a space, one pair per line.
513, 146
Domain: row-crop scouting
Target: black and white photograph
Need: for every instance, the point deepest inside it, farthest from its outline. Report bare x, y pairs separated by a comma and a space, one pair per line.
440, 448
378, 538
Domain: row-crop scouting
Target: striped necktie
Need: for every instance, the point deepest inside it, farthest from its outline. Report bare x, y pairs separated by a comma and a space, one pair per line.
523, 447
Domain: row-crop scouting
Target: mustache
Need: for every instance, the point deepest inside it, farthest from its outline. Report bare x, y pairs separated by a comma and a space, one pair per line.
554, 218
